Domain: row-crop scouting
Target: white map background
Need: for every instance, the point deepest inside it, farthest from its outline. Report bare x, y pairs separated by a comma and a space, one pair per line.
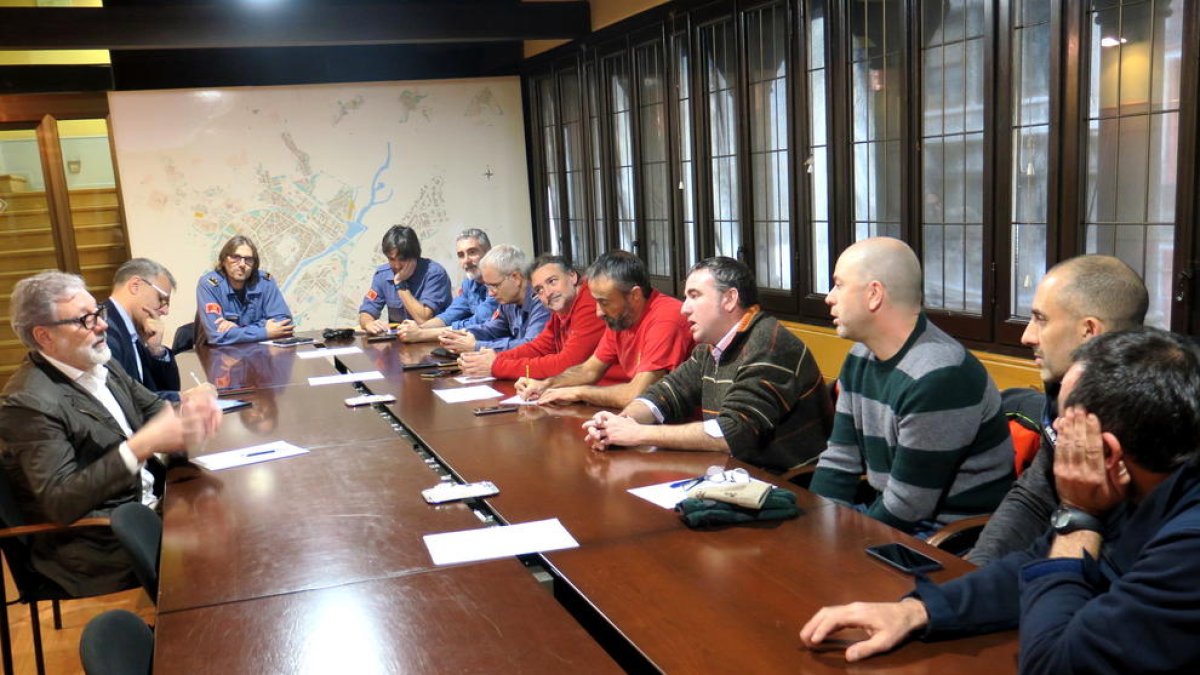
315, 175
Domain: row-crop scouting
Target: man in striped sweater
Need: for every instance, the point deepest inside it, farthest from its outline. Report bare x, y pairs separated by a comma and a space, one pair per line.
917, 413
760, 393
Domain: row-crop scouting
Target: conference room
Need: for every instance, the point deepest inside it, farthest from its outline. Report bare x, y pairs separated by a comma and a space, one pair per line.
997, 138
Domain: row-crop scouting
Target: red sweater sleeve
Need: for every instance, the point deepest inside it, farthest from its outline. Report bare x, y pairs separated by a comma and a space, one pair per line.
583, 330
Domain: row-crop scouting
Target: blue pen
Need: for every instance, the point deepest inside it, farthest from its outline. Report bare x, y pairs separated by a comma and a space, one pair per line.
688, 482
261, 452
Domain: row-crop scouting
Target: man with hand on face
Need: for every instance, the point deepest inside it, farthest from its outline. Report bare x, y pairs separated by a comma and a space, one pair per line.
759, 389
646, 336
237, 302
76, 430
472, 306
1076, 300
1111, 585
569, 338
504, 272
411, 287
141, 295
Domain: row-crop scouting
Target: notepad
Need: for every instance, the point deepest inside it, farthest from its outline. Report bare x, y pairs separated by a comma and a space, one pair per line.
517, 400
332, 351
464, 394
489, 543
251, 455
346, 377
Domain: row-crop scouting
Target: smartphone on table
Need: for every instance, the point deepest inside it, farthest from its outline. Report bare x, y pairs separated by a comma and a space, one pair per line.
904, 558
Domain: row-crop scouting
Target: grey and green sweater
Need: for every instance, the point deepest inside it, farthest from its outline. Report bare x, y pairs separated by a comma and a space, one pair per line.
927, 429
766, 394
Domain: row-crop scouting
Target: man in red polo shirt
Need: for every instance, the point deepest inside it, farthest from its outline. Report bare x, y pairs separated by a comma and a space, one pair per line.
646, 336
567, 340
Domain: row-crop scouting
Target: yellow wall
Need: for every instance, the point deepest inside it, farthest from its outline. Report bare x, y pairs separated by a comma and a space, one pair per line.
58, 57
604, 13
830, 350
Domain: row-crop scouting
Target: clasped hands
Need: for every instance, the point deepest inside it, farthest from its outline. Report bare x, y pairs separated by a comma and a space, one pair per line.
608, 428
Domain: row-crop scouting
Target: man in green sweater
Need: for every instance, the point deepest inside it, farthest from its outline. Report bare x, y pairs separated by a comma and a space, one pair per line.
916, 411
760, 393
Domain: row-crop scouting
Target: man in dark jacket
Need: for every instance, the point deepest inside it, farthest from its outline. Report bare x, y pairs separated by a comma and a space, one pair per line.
759, 389
1111, 588
75, 431
141, 296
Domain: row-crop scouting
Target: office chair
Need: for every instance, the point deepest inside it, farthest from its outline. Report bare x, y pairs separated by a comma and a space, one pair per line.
32, 587
116, 642
139, 529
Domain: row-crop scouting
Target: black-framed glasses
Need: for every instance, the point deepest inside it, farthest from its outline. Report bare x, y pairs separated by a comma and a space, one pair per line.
164, 298
87, 321
247, 259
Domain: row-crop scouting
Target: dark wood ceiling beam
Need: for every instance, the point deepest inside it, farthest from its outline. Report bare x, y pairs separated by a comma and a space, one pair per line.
286, 25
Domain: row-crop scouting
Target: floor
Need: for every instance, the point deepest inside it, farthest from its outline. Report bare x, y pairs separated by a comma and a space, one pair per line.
61, 647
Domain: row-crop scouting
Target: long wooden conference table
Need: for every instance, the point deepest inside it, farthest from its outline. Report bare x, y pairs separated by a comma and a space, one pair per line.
316, 563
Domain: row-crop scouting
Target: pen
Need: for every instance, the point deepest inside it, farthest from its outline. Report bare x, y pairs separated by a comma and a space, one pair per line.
527, 371
688, 482
196, 379
260, 452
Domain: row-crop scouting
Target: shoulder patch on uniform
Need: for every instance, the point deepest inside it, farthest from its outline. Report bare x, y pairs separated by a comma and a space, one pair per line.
371, 294
212, 308
266, 275
214, 281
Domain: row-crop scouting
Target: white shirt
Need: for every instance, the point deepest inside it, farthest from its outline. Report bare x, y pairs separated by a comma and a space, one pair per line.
95, 382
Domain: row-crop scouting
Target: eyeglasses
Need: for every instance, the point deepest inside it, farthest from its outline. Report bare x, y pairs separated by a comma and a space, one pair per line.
246, 259
87, 321
164, 298
715, 474
496, 286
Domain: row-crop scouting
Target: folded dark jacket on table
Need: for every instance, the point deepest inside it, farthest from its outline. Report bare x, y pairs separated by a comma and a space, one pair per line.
779, 505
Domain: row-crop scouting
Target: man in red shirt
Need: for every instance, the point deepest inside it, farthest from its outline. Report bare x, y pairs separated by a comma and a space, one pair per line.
646, 336
567, 340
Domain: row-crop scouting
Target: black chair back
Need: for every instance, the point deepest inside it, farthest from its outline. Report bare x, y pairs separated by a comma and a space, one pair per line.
139, 529
16, 549
185, 338
116, 642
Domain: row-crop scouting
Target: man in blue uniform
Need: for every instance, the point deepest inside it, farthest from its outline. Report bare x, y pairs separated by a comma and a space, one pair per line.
472, 305
141, 294
410, 286
504, 271
237, 302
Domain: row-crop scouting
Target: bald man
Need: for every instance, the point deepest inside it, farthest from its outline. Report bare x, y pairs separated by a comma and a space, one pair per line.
1075, 301
916, 409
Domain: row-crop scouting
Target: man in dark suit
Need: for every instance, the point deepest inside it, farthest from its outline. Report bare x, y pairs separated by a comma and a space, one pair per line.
75, 431
141, 296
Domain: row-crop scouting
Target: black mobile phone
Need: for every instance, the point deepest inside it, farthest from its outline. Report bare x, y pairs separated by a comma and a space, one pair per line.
382, 337
904, 558
434, 374
291, 341
495, 410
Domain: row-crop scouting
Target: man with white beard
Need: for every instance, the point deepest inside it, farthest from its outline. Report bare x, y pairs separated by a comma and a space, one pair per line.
76, 431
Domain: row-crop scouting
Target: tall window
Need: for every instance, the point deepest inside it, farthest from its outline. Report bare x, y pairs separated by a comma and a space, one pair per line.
685, 138
817, 162
876, 80
1135, 53
952, 152
718, 49
573, 166
770, 177
1030, 176
591, 85
552, 173
620, 119
652, 127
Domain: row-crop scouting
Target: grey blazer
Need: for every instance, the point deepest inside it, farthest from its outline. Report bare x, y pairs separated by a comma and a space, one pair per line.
58, 445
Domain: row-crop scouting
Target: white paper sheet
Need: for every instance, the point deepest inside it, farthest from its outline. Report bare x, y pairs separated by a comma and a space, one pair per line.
517, 400
474, 379
251, 455
332, 351
488, 543
464, 394
346, 377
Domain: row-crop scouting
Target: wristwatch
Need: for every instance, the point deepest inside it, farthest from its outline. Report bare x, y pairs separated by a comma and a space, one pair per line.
1067, 520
